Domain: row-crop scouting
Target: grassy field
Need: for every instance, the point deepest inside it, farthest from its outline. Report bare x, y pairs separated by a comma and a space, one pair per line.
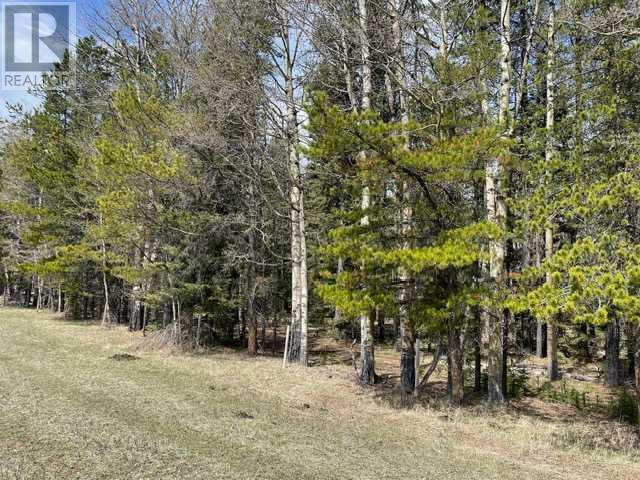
69, 410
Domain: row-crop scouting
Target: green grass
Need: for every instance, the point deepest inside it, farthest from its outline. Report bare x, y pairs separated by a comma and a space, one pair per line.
68, 410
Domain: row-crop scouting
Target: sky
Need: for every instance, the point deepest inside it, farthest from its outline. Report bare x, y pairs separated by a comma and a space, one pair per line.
27, 100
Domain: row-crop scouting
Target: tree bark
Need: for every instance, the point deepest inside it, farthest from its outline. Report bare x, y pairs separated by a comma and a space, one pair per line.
497, 213
252, 283
367, 371
506, 321
407, 363
252, 321
406, 337
365, 53
299, 282
552, 329
552, 352
612, 359
541, 327
136, 313
632, 339
304, 288
27, 295
367, 358
166, 314
106, 314
455, 362
135, 321
541, 339
477, 351
39, 294
241, 325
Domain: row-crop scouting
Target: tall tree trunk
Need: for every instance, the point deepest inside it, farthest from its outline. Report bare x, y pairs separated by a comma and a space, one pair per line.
39, 294
346, 71
541, 328
252, 321
552, 329
497, 213
135, 320
477, 350
455, 362
506, 323
299, 287
636, 350
27, 296
136, 311
85, 307
252, 284
106, 313
406, 336
552, 351
166, 315
241, 315
612, 352
367, 371
263, 332
407, 363
304, 288
145, 321
632, 339
51, 304
353, 103
274, 340
541, 339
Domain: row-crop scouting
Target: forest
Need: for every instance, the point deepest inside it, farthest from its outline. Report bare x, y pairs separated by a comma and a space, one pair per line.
414, 182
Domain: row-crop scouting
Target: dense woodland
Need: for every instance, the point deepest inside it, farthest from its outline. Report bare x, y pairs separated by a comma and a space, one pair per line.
465, 173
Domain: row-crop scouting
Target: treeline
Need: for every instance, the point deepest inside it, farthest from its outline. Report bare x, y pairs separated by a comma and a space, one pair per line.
461, 172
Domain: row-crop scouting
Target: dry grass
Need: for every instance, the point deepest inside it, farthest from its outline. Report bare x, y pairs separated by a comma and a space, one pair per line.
69, 410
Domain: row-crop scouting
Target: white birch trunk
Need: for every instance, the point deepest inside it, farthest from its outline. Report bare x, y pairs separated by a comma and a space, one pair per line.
365, 54
552, 329
367, 372
304, 287
299, 283
497, 213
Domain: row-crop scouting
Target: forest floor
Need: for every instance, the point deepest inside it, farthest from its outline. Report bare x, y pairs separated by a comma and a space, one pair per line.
78, 401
